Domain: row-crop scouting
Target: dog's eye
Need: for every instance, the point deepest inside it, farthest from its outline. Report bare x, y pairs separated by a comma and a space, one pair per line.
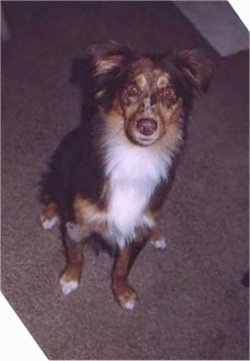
167, 93
132, 90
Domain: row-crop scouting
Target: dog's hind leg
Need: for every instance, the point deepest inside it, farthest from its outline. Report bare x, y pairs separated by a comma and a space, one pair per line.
74, 243
123, 292
50, 215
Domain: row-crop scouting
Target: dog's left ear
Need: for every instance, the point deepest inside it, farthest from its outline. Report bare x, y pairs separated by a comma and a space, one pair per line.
195, 68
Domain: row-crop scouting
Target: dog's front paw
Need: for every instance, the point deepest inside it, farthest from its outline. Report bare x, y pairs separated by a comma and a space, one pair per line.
125, 295
68, 284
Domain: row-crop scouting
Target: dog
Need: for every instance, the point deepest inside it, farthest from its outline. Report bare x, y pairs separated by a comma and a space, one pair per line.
110, 176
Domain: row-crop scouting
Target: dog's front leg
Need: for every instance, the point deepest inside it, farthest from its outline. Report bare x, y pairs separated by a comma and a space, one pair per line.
123, 292
74, 243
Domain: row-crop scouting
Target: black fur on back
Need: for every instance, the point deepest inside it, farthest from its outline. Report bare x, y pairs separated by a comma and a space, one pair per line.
75, 167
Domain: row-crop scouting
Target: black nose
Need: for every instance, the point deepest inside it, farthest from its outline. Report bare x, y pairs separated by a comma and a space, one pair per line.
147, 126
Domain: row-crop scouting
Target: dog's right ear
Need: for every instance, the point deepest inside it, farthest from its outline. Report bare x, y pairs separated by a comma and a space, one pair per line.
109, 58
109, 64
100, 65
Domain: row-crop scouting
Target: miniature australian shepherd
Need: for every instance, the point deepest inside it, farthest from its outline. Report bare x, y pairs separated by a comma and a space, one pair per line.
109, 177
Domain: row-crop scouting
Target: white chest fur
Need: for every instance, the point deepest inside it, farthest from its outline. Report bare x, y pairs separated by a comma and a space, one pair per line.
133, 174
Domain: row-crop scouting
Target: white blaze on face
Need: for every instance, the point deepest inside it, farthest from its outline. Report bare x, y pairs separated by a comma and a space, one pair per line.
147, 103
148, 108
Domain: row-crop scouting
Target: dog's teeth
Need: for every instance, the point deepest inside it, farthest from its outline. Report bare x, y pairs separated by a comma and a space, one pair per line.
159, 244
68, 286
49, 223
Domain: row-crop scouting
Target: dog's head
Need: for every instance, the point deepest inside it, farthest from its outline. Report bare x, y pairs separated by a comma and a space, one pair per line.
147, 95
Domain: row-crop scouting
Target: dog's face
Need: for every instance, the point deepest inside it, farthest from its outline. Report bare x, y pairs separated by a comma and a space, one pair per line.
148, 102
149, 94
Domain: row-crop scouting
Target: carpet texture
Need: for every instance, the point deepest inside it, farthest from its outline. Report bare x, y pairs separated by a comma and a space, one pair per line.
192, 304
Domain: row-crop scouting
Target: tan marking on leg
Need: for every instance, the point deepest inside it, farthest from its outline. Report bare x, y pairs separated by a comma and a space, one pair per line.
124, 294
89, 218
71, 276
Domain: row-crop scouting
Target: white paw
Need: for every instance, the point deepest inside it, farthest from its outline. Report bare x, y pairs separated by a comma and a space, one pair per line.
129, 305
49, 223
159, 244
74, 232
68, 286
